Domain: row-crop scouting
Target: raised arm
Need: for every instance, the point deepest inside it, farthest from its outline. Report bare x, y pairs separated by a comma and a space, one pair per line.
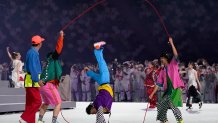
175, 53
9, 54
59, 45
92, 74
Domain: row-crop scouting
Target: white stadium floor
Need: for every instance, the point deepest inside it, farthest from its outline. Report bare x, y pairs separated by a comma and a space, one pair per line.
127, 113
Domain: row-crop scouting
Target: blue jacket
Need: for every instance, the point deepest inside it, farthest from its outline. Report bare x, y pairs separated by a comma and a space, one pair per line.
32, 64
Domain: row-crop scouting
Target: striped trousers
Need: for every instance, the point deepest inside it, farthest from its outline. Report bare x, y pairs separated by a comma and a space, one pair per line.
163, 107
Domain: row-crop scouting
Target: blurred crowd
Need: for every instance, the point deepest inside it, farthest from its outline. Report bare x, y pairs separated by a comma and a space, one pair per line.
128, 79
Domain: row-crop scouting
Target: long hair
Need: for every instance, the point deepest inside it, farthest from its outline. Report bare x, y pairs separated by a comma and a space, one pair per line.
193, 65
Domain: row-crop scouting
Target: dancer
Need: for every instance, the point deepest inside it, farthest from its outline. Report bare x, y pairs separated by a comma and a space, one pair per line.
169, 79
51, 76
17, 75
31, 82
193, 85
103, 101
150, 84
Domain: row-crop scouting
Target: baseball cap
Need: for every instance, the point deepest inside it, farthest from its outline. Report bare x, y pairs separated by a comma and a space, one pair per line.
37, 39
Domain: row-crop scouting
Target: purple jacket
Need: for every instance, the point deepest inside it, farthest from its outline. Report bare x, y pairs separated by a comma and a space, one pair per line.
173, 73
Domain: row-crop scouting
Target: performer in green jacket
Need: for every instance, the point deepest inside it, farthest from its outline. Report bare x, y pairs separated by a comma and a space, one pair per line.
51, 77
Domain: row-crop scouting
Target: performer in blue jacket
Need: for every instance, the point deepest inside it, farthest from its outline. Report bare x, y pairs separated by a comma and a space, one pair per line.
103, 101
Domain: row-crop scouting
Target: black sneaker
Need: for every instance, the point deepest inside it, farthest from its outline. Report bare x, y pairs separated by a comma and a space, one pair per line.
200, 105
189, 106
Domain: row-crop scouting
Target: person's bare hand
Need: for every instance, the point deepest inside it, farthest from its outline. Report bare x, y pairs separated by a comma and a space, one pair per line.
62, 33
7, 48
151, 96
86, 68
170, 40
41, 83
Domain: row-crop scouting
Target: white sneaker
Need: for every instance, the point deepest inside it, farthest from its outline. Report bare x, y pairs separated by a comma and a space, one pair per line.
98, 45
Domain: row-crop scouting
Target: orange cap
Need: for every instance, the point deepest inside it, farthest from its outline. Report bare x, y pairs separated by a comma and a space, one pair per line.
37, 39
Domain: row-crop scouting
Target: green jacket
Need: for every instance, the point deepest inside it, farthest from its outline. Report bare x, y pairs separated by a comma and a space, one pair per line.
52, 70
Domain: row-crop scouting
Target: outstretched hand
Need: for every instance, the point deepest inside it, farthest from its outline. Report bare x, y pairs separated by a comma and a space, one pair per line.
7, 48
62, 33
175, 53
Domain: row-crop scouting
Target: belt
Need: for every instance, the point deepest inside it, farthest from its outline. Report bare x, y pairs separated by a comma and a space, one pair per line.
104, 84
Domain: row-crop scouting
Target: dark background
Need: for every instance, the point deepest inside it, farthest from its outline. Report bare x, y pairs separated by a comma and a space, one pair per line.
130, 27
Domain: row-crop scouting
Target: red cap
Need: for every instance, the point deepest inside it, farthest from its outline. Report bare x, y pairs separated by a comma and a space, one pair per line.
37, 39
